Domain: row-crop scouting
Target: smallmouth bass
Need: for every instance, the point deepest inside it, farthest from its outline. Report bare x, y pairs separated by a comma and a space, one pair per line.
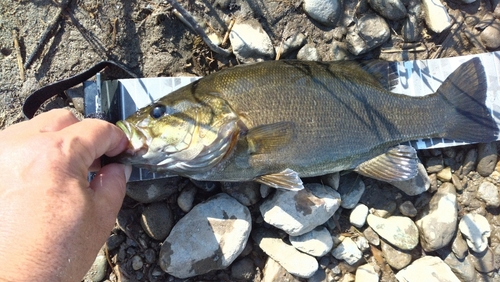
277, 121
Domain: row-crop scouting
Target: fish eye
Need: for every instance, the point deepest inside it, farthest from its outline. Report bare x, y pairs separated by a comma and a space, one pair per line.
158, 111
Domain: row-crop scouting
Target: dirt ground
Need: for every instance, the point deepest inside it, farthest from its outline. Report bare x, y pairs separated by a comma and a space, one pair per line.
147, 38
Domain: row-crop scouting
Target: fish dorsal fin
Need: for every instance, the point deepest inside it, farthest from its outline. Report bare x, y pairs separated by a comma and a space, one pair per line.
287, 179
397, 164
384, 75
269, 137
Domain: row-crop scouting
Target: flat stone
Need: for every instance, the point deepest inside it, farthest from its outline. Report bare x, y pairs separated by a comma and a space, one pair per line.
444, 175
209, 237
298, 212
157, 220
416, 185
408, 209
273, 271
154, 190
317, 242
295, 262
326, 12
428, 268
247, 193
347, 251
487, 152
397, 230
250, 42
436, 15
366, 273
358, 215
351, 188
434, 165
395, 257
331, 179
488, 193
436, 230
484, 262
390, 9
476, 231
469, 162
370, 32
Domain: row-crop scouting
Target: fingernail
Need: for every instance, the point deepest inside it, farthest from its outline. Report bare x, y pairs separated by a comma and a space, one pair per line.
128, 171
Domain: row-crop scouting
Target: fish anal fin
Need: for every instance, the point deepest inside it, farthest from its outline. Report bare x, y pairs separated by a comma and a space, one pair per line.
397, 164
287, 179
269, 137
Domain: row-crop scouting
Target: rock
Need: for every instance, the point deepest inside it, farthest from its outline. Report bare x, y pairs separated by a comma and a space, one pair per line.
97, 271
295, 262
411, 29
265, 190
292, 43
114, 241
137, 262
154, 190
476, 230
318, 276
326, 12
490, 36
390, 9
247, 193
331, 179
243, 269
436, 230
273, 271
210, 236
416, 185
358, 215
317, 242
206, 186
298, 212
157, 220
347, 251
366, 273
150, 256
186, 198
351, 188
397, 230
487, 152
395, 257
371, 236
308, 53
469, 162
488, 193
428, 268
362, 243
370, 32
436, 15
250, 42
340, 51
463, 269
484, 261
434, 165
445, 174
407, 209
456, 182
459, 246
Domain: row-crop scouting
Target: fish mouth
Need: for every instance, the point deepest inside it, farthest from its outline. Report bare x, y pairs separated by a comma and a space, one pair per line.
137, 138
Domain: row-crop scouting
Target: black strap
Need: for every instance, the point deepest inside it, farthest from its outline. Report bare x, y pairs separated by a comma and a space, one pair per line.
40, 96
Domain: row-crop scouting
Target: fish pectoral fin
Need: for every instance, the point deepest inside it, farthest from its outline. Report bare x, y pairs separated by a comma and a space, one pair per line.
287, 179
269, 137
397, 164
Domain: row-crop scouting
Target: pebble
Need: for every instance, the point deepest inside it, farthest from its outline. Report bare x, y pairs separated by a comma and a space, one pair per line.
317, 242
157, 220
436, 15
487, 152
366, 273
186, 198
371, 236
114, 241
411, 29
444, 175
273, 271
351, 188
293, 43
436, 230
318, 276
484, 262
428, 268
206, 186
308, 53
476, 231
332, 180
137, 263
457, 182
469, 162
97, 271
399, 231
154, 190
490, 36
340, 51
265, 190
390, 9
326, 12
210, 236
395, 257
407, 209
250, 42
488, 193
362, 243
358, 215
416, 185
247, 193
243, 269
370, 32
298, 212
459, 246
463, 268
434, 165
295, 262
150, 256
347, 251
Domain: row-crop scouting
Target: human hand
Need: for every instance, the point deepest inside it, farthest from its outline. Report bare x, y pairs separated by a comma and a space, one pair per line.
53, 221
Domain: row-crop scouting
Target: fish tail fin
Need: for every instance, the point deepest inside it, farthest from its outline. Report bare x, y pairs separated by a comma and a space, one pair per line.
464, 94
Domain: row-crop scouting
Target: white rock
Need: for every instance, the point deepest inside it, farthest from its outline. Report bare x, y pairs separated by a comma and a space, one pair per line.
298, 212
428, 269
476, 230
250, 42
436, 15
351, 188
317, 242
362, 243
488, 192
347, 251
326, 12
358, 215
366, 273
417, 185
399, 231
186, 198
370, 32
308, 53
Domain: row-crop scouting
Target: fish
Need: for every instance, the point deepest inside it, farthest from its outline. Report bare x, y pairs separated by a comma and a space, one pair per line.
276, 122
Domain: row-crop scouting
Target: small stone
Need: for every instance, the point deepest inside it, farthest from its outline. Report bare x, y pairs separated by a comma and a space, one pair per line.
273, 271
97, 271
488, 193
114, 241
326, 12
436, 15
247, 193
308, 53
250, 42
456, 182
137, 263
157, 220
186, 198
487, 152
444, 175
484, 262
370, 32
319, 276
358, 215
416, 185
150, 256
390, 9
434, 165
463, 269
407, 209
154, 190
490, 36
428, 268
371, 236
411, 29
347, 251
397, 230
476, 230
395, 257
340, 51
265, 190
206, 186
366, 273
317, 242
362, 243
243, 269
332, 180
459, 246
292, 43
469, 162
351, 188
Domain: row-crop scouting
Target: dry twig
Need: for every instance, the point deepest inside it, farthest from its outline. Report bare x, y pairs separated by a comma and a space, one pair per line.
15, 35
